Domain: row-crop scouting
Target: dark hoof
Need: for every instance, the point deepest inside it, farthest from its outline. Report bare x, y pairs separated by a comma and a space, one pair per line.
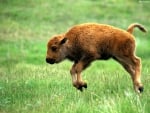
80, 88
85, 85
141, 89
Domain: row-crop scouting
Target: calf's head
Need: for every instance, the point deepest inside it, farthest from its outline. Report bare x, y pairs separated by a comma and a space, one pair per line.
56, 50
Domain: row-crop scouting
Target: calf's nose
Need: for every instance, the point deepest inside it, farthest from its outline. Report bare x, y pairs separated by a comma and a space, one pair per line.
49, 60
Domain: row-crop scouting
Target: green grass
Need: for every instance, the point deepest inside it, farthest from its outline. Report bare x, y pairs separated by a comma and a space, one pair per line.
29, 85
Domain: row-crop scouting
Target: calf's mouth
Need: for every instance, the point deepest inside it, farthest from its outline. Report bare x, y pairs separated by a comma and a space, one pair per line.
50, 61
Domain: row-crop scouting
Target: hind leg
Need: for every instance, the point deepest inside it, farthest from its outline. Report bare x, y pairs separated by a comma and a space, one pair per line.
137, 76
132, 65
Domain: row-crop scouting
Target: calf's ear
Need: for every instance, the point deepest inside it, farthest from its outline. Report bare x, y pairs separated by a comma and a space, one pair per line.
63, 40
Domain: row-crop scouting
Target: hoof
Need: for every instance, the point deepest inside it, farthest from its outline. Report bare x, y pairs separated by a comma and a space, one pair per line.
85, 85
80, 86
138, 87
141, 89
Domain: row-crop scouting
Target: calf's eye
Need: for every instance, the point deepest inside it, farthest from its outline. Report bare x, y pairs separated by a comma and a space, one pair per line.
54, 48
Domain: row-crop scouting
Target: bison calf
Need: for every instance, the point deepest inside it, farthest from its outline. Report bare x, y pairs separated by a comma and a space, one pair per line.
88, 42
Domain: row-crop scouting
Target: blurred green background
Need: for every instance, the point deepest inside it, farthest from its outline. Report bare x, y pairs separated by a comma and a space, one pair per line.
28, 84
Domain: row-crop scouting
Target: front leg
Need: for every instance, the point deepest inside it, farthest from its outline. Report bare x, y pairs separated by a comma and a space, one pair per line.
80, 83
76, 77
76, 74
80, 66
73, 74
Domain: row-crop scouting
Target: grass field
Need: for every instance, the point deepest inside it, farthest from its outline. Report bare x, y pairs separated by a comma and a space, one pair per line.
29, 85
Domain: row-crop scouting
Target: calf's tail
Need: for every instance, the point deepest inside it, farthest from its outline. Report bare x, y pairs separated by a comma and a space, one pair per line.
132, 26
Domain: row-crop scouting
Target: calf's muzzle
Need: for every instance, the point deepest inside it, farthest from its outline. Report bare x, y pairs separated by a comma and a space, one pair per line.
50, 60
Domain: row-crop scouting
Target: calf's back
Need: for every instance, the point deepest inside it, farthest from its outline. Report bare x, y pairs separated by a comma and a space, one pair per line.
98, 40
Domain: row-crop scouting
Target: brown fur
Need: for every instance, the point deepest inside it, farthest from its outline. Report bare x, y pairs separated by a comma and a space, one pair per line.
85, 43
